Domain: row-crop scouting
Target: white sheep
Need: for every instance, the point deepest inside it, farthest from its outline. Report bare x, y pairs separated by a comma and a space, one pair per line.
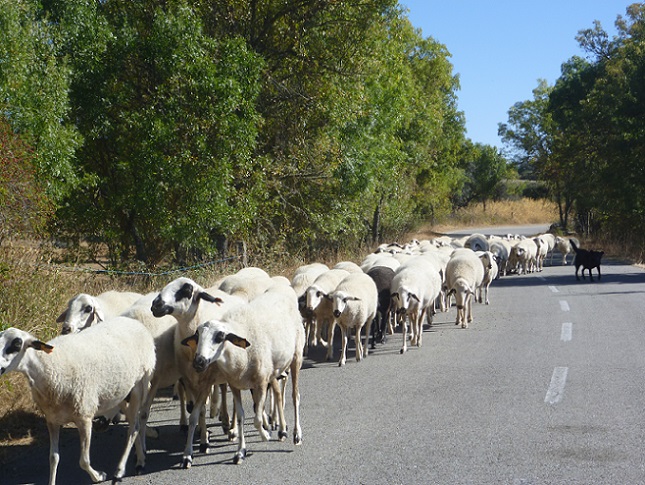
321, 310
524, 256
379, 259
190, 304
550, 240
252, 346
564, 246
305, 275
349, 266
464, 274
477, 242
490, 273
75, 377
501, 249
541, 253
354, 303
166, 369
415, 287
85, 310
247, 283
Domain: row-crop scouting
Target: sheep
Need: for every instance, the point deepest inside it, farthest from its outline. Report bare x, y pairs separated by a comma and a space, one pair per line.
190, 304
464, 274
550, 241
252, 346
501, 249
166, 371
75, 377
354, 303
246, 283
541, 253
414, 289
382, 276
349, 266
92, 310
84, 310
379, 259
524, 256
490, 273
564, 246
477, 242
305, 275
320, 309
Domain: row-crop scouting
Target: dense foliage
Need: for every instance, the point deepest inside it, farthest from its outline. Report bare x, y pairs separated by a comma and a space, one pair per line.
585, 135
168, 130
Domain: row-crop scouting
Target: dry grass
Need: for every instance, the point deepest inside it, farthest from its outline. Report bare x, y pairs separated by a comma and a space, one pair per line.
501, 213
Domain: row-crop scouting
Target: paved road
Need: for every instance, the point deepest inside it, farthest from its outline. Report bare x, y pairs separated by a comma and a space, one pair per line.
545, 387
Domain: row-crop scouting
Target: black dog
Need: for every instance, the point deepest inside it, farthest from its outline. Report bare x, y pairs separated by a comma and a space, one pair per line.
587, 259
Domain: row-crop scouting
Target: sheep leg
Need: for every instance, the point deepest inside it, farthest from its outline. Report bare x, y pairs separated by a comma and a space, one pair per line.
276, 387
54, 455
404, 331
203, 429
223, 411
239, 456
214, 403
331, 328
420, 319
296, 364
367, 335
200, 400
145, 411
137, 396
343, 333
84, 426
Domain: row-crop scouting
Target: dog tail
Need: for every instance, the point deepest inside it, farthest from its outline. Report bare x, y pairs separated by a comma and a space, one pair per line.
573, 245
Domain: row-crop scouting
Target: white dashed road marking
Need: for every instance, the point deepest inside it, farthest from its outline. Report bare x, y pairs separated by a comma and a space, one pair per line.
554, 289
567, 332
556, 387
564, 306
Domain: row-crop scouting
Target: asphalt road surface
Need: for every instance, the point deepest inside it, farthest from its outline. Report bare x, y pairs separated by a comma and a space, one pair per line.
545, 387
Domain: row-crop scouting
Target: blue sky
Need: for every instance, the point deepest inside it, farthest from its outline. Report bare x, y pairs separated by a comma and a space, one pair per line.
501, 48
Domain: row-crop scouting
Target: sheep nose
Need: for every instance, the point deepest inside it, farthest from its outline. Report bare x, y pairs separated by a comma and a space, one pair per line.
199, 363
65, 330
336, 313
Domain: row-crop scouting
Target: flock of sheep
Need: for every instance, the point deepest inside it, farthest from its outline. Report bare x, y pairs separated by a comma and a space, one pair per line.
249, 331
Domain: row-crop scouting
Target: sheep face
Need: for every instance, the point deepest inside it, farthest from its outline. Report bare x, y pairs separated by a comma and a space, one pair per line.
340, 301
314, 297
178, 296
82, 312
13, 345
209, 343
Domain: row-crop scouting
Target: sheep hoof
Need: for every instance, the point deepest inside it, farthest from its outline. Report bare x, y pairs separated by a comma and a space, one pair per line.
402, 351
187, 463
282, 435
238, 459
189, 406
203, 448
116, 480
139, 470
297, 440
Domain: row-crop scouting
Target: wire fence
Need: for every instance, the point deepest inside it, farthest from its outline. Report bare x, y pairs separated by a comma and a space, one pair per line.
113, 272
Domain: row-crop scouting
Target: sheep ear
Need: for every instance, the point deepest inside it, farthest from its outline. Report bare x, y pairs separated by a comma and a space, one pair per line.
61, 318
98, 313
352, 298
191, 341
208, 297
38, 345
239, 341
412, 295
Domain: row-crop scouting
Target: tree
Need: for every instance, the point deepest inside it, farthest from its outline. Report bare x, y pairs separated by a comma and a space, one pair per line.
486, 168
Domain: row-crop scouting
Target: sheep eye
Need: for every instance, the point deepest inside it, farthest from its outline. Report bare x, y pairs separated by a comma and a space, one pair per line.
87, 309
319, 294
219, 337
15, 346
186, 291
